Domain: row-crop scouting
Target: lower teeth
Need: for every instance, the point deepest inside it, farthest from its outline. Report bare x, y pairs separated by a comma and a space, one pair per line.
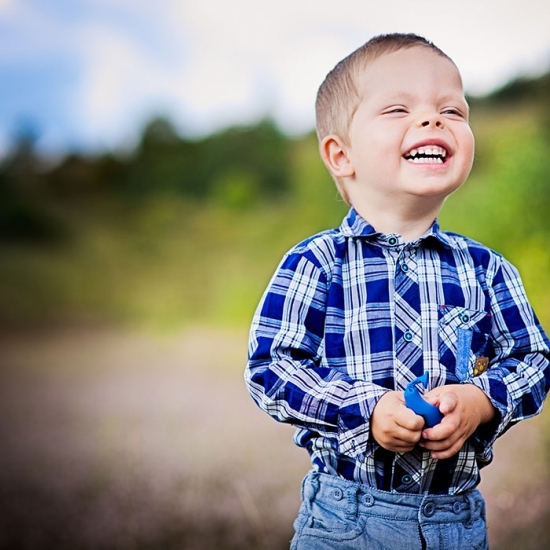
428, 160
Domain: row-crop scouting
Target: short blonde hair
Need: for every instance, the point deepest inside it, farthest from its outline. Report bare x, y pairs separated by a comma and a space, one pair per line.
339, 96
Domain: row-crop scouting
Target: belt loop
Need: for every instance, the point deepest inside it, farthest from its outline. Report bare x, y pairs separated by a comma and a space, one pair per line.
479, 505
473, 508
315, 484
352, 508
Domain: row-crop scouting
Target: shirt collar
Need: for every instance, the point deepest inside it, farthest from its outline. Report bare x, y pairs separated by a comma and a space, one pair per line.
354, 225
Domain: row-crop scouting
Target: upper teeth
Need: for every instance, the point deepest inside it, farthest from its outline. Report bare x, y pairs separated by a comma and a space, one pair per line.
430, 152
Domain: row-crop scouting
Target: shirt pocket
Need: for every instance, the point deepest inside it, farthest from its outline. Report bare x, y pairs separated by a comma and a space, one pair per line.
465, 348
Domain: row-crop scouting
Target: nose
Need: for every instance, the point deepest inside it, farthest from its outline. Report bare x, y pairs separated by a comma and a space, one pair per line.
431, 120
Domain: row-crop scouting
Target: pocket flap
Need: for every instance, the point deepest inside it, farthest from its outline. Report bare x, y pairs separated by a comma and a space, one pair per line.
455, 317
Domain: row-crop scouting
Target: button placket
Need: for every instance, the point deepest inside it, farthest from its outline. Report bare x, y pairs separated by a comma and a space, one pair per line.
407, 261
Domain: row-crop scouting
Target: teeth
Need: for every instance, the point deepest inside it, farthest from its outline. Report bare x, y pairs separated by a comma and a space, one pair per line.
431, 154
427, 160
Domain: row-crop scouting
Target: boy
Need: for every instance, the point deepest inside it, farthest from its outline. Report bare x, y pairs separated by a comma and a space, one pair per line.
353, 315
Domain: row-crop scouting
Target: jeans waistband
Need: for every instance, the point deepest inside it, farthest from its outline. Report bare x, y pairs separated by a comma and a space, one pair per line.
354, 499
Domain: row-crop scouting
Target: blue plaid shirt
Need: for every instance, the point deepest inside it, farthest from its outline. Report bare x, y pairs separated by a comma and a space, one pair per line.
352, 313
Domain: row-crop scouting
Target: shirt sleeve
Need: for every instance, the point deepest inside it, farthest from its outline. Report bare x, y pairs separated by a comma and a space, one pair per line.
519, 377
285, 373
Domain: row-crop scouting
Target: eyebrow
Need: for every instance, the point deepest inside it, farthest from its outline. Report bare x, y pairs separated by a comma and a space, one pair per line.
410, 97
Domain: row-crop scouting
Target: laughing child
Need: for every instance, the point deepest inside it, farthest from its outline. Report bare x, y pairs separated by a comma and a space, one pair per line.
353, 315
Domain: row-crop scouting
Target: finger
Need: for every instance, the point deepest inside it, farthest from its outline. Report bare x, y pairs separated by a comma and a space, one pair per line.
398, 433
405, 437
449, 426
400, 446
432, 398
440, 434
397, 445
447, 453
409, 420
437, 445
448, 402
457, 437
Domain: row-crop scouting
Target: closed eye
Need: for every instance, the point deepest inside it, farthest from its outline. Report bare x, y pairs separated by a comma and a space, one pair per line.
396, 109
453, 112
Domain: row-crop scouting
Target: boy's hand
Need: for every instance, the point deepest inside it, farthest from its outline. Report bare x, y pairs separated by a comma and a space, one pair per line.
464, 407
394, 426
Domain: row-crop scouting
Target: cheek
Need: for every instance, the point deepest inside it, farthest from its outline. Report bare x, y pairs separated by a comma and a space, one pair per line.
473, 150
470, 141
467, 147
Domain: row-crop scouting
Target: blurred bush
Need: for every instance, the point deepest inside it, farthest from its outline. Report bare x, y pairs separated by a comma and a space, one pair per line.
187, 231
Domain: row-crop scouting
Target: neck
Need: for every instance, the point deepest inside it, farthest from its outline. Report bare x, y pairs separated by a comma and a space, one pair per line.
405, 220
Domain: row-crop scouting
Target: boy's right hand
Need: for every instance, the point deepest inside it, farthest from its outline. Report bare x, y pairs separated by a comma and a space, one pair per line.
393, 425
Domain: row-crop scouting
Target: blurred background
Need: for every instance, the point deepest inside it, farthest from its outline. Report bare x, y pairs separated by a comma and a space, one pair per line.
156, 161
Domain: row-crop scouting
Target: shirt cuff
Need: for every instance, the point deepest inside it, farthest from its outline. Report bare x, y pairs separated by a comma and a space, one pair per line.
354, 421
486, 434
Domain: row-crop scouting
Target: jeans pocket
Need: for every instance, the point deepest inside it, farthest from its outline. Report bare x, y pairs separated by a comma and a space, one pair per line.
321, 522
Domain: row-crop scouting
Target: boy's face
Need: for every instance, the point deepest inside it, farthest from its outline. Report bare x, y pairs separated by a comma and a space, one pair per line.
410, 133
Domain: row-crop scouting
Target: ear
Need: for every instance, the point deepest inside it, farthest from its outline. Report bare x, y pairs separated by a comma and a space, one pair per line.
335, 155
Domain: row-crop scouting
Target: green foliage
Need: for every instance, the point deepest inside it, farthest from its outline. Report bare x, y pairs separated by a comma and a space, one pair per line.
186, 231
25, 215
519, 90
167, 163
505, 203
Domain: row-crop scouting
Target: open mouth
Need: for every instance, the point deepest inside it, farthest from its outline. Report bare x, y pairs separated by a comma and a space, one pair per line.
429, 154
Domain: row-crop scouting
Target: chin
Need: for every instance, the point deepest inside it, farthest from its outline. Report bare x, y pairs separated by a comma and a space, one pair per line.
435, 189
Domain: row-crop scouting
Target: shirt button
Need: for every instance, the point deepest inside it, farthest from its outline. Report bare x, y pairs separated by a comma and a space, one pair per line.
404, 268
406, 479
408, 336
392, 241
338, 494
464, 318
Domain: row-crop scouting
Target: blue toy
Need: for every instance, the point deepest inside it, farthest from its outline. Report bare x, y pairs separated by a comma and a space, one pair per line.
419, 405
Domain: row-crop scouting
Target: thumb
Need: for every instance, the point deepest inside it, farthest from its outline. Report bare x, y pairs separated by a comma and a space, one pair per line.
448, 402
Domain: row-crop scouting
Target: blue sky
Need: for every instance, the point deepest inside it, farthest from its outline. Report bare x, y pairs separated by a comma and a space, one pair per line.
88, 74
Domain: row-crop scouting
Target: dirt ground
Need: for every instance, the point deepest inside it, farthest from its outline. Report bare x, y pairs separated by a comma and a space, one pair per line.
119, 440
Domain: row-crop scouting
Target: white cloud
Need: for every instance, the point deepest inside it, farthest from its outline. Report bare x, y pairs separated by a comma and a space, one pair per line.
119, 79
297, 71
291, 45
209, 63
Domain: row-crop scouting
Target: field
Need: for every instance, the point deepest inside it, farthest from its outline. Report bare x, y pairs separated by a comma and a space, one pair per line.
121, 440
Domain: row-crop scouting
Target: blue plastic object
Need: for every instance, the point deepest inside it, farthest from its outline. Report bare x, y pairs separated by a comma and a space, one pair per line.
419, 405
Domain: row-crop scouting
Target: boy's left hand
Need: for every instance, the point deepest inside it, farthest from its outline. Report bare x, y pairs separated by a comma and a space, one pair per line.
464, 408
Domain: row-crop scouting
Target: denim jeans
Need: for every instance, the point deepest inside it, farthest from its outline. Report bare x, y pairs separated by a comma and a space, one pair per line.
344, 515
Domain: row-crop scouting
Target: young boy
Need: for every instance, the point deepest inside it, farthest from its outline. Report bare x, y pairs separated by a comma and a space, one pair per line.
354, 314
